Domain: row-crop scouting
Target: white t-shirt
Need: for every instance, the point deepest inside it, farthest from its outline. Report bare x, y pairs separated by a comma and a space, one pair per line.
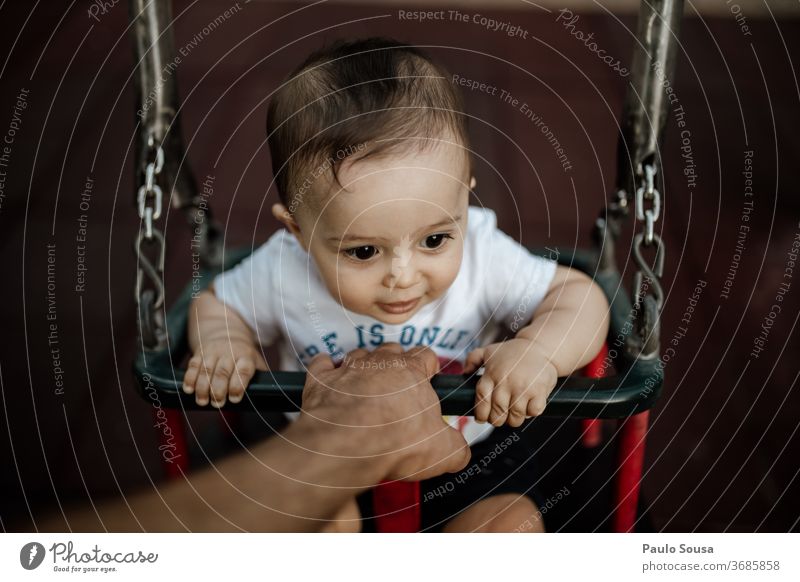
279, 292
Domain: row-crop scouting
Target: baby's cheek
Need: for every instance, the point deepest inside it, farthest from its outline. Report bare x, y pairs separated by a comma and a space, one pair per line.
356, 292
444, 277
338, 284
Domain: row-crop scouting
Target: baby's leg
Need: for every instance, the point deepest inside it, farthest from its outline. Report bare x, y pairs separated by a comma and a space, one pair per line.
508, 512
346, 520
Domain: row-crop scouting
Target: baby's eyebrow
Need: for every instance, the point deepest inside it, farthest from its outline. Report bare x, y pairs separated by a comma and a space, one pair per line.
355, 237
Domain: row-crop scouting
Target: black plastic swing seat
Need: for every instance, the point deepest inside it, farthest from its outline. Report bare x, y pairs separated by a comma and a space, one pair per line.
635, 388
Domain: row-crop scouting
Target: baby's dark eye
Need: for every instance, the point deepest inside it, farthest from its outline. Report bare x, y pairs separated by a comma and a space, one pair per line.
364, 253
434, 241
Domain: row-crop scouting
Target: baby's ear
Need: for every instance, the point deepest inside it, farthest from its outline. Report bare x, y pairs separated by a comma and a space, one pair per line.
281, 214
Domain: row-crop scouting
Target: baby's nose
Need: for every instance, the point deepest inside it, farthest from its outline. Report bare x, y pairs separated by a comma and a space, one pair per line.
401, 275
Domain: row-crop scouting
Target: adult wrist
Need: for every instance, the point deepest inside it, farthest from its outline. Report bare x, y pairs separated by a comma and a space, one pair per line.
366, 450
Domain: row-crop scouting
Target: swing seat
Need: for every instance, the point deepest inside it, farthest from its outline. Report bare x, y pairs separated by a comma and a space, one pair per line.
590, 394
634, 388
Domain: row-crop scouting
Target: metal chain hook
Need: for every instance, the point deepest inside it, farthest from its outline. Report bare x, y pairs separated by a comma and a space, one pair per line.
653, 275
153, 270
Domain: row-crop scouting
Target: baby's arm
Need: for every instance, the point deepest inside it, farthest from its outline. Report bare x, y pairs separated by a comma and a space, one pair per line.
571, 323
225, 352
566, 332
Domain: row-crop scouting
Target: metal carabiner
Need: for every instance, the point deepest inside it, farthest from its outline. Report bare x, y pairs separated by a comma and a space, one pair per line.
154, 272
654, 274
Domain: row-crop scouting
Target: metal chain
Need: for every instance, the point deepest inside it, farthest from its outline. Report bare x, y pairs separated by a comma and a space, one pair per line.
150, 251
648, 295
150, 190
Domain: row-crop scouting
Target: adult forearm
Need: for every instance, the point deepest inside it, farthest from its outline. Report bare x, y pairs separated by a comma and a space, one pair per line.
572, 329
298, 479
288, 483
327, 469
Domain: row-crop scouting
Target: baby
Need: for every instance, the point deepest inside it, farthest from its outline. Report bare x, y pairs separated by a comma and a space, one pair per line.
371, 160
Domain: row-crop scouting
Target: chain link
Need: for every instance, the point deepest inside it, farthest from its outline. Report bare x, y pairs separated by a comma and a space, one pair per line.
648, 295
150, 191
150, 252
647, 191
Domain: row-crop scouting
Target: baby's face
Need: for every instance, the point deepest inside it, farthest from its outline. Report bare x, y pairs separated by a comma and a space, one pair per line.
390, 239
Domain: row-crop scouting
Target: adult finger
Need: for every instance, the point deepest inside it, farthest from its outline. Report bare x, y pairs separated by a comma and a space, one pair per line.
319, 364
352, 357
455, 449
448, 452
426, 359
392, 347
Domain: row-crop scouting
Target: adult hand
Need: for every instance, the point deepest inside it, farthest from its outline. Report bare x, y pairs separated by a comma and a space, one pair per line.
383, 406
375, 418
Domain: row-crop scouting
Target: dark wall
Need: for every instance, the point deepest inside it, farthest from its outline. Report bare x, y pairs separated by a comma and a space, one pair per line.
722, 451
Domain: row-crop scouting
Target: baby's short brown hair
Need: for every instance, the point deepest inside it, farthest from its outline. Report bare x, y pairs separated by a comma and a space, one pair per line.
357, 98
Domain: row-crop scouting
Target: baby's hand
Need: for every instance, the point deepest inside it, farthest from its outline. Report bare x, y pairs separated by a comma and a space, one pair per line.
222, 368
515, 384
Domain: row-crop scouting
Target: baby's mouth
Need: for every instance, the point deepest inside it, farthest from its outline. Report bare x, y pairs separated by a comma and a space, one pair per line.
399, 307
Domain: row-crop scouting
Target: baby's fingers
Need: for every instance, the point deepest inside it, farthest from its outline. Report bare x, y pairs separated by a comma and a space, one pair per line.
536, 405
518, 410
220, 381
202, 384
245, 368
192, 371
483, 398
474, 360
501, 399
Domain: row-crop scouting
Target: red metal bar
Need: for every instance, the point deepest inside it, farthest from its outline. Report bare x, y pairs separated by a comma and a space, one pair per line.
396, 506
630, 459
592, 432
598, 367
172, 442
592, 428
